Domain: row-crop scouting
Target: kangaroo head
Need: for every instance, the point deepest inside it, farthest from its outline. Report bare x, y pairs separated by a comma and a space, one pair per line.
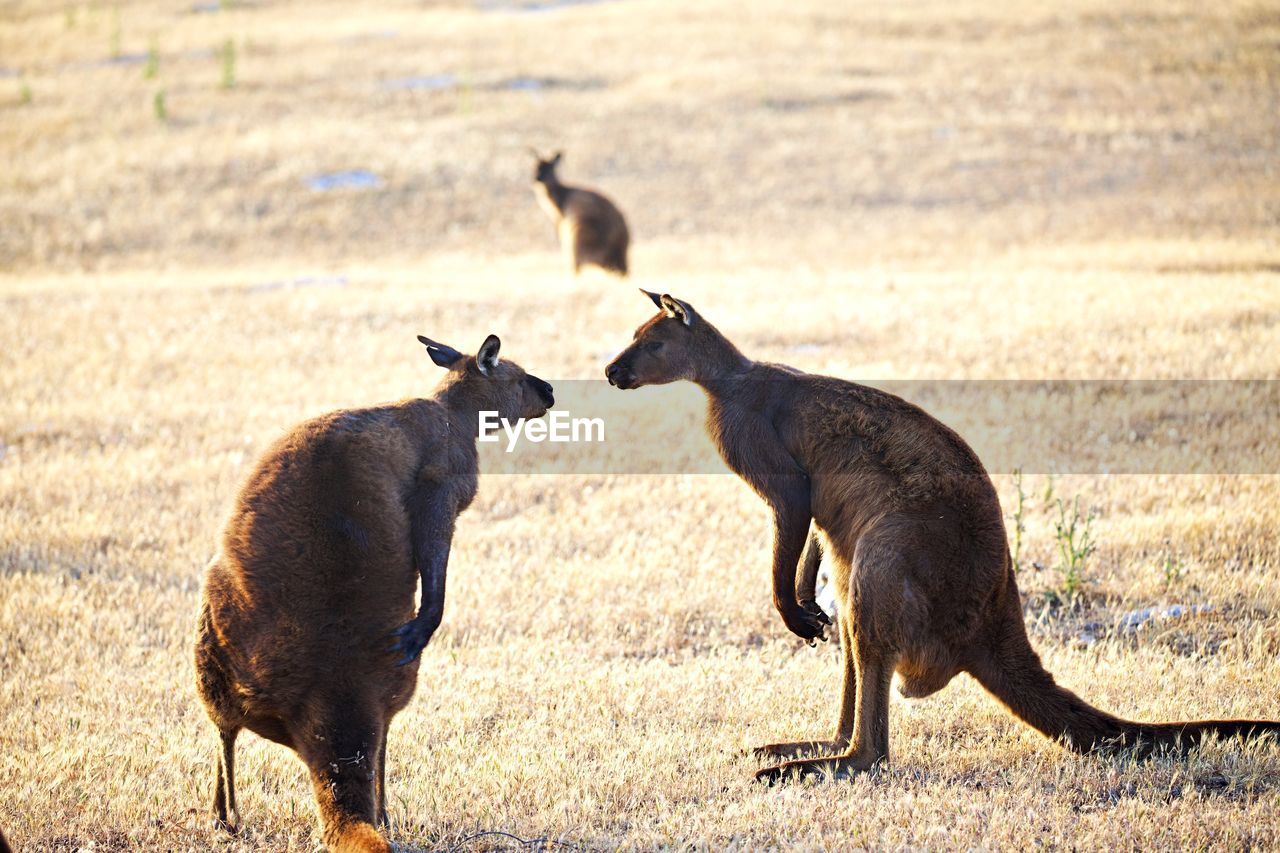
675, 344
483, 382
545, 171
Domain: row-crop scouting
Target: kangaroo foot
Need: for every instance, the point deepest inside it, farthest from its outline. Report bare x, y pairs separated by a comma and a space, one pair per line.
227, 822
843, 767
797, 748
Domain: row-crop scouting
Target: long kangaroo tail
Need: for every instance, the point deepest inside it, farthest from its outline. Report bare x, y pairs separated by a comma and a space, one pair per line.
1011, 670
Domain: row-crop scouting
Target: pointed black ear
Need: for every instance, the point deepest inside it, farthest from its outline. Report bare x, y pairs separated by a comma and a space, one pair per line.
677, 309
442, 354
657, 300
487, 358
555, 160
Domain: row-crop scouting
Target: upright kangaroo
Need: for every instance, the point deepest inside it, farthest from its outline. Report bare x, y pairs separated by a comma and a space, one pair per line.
922, 571
590, 227
297, 638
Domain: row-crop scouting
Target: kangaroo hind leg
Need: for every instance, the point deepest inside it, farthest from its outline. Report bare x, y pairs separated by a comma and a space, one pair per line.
226, 815
845, 722
871, 621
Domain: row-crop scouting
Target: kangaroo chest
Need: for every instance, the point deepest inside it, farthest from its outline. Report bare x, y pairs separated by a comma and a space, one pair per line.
547, 203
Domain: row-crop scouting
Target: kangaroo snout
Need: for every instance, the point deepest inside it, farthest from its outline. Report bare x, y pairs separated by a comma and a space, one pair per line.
545, 391
620, 375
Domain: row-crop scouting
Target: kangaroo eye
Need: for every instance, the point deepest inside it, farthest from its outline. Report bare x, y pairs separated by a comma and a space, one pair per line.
653, 346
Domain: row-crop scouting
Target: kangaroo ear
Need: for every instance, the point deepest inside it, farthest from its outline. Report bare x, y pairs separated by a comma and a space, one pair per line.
657, 300
487, 358
676, 309
555, 160
441, 354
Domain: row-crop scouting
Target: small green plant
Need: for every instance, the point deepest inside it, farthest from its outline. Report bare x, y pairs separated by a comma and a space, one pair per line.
158, 104
152, 68
1048, 492
1074, 535
229, 64
24, 92
69, 17
116, 32
1173, 569
464, 93
1019, 520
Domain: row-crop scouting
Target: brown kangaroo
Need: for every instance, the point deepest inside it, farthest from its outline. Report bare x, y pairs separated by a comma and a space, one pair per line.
297, 638
913, 525
591, 228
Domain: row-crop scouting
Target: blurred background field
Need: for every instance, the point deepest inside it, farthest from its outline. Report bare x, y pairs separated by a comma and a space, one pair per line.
217, 219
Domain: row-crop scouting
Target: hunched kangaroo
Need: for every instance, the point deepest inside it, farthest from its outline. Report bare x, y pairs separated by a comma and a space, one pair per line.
912, 522
590, 227
297, 637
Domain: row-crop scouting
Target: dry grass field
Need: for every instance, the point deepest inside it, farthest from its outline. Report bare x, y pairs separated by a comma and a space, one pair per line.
924, 190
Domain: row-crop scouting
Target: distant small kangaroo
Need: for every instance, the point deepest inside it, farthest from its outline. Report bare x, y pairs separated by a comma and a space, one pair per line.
590, 227
911, 520
297, 636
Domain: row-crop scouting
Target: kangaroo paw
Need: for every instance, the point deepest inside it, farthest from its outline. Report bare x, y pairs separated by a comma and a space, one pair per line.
410, 639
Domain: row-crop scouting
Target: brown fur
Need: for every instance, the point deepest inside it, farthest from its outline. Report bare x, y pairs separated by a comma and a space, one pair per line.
914, 528
309, 602
591, 228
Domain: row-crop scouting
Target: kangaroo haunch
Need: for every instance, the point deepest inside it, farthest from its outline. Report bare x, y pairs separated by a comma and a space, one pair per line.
913, 526
590, 227
307, 634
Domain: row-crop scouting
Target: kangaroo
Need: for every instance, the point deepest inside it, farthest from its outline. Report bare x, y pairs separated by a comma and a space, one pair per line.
913, 526
590, 227
305, 635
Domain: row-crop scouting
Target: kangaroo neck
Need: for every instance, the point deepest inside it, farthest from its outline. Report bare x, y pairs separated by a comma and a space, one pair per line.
721, 370
556, 193
462, 417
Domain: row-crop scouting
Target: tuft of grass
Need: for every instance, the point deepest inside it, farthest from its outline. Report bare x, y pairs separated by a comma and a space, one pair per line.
152, 68
229, 64
1019, 519
1173, 568
465, 89
24, 93
1047, 499
159, 107
1073, 533
117, 32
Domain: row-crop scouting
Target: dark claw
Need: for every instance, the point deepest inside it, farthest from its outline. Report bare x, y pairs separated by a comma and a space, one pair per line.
409, 642
817, 612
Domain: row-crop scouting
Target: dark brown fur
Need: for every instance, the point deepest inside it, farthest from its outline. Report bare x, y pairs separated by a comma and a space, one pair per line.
591, 228
310, 600
914, 528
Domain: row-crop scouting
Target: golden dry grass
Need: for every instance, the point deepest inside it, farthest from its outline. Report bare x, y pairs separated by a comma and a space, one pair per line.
1080, 190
